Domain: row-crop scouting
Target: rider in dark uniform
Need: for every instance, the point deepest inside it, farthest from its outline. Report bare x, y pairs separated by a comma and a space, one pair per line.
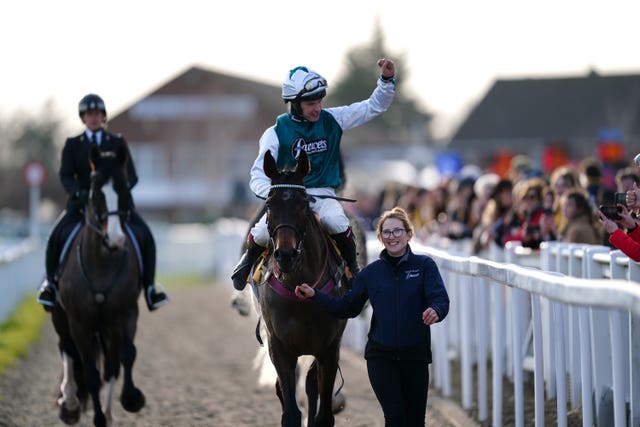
75, 173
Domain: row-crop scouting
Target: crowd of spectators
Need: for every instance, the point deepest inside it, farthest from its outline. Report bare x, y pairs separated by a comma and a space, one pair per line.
522, 205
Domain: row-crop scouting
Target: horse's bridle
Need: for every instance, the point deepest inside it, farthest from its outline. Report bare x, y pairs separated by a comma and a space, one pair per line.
299, 235
101, 218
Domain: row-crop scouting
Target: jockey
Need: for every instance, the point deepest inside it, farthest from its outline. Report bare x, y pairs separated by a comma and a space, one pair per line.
75, 174
307, 126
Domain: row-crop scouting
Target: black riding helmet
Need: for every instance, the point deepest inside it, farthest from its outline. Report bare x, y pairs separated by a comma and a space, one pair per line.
91, 102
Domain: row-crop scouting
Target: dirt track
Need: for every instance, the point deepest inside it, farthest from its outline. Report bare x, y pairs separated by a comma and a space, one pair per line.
194, 365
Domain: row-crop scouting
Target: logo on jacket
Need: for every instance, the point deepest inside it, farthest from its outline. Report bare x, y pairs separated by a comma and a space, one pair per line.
313, 147
412, 273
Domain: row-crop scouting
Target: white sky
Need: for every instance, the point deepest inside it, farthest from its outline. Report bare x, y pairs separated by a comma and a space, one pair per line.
123, 49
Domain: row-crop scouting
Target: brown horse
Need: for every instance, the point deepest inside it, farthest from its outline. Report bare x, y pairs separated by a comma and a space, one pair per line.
97, 310
300, 253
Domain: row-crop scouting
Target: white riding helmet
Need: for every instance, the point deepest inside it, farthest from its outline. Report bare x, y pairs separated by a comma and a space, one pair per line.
303, 83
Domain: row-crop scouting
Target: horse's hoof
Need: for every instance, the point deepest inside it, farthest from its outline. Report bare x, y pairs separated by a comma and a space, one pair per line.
99, 420
241, 306
338, 403
132, 401
69, 417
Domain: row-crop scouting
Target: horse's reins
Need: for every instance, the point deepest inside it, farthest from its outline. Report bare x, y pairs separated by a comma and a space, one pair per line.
100, 297
341, 199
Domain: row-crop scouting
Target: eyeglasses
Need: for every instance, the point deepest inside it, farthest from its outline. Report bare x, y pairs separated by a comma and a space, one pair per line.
530, 197
396, 232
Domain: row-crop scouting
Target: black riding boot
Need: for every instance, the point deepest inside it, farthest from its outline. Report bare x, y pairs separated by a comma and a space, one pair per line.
346, 242
154, 295
241, 271
48, 291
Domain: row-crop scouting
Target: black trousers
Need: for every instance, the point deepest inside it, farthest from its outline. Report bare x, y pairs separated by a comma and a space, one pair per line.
70, 218
401, 388
147, 247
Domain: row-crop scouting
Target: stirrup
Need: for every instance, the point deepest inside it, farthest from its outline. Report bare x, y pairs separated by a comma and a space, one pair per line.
156, 296
47, 295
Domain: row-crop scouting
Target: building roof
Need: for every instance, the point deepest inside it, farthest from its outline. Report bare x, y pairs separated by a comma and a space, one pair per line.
198, 96
547, 108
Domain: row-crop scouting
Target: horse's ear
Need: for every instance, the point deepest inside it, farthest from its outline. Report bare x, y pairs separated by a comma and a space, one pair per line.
303, 167
94, 157
269, 165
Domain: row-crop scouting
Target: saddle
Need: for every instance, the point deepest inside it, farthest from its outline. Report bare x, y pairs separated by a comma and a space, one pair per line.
64, 253
260, 273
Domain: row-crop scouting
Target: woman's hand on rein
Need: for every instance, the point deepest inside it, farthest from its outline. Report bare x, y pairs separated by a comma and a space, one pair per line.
304, 291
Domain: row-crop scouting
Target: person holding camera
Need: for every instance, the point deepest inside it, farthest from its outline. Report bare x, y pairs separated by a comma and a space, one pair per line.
614, 218
534, 224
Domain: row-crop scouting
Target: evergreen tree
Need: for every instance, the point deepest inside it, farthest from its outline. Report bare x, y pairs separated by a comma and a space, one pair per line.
404, 120
25, 138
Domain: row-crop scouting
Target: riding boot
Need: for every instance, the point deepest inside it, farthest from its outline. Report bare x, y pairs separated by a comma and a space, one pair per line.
249, 257
154, 294
48, 292
346, 243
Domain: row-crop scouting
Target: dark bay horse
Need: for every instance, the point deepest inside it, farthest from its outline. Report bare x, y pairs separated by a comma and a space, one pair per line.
300, 253
97, 310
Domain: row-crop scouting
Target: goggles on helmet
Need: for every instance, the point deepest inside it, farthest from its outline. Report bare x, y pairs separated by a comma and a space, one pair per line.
312, 85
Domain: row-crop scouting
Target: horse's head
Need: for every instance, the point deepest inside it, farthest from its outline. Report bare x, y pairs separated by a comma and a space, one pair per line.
287, 210
109, 196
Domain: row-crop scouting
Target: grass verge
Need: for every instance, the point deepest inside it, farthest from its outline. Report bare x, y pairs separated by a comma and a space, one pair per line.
20, 330
24, 326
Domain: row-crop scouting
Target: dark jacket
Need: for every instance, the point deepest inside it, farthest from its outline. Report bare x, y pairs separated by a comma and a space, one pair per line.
75, 170
399, 294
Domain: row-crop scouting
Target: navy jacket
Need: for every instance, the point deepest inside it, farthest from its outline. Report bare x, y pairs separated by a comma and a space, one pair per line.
75, 170
399, 294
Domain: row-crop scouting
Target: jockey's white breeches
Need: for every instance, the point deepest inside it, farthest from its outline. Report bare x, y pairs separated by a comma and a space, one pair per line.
330, 212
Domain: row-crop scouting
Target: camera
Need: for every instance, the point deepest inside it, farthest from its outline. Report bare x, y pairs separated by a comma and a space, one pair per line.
611, 212
620, 199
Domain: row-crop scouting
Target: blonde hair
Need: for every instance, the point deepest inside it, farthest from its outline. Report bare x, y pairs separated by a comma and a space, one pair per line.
397, 213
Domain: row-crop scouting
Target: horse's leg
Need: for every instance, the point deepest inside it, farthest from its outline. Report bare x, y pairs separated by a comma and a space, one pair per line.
262, 363
68, 400
108, 402
131, 398
88, 347
110, 340
285, 364
327, 367
311, 389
